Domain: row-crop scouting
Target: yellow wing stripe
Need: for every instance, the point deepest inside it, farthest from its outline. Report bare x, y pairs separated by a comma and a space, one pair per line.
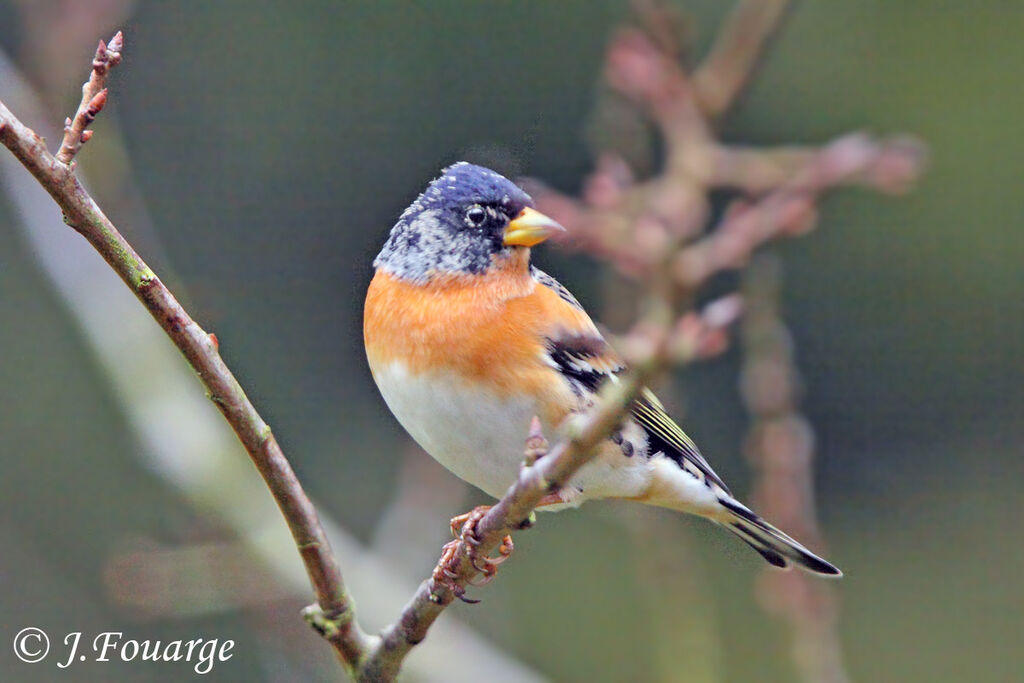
667, 426
650, 413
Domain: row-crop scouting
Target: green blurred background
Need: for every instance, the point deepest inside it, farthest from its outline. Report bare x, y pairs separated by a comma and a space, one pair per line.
275, 143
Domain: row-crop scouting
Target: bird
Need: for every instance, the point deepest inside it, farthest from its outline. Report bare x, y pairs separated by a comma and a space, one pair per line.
467, 341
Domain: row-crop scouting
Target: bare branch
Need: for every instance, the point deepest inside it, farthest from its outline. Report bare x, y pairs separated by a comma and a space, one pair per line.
201, 351
94, 97
736, 52
636, 67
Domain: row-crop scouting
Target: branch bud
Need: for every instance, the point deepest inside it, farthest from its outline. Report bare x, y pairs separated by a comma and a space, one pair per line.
536, 444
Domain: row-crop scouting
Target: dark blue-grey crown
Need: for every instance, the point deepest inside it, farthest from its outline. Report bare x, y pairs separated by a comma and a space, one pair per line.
463, 184
431, 235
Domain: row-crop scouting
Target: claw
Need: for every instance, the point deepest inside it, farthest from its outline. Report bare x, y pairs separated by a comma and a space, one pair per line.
482, 580
473, 561
490, 564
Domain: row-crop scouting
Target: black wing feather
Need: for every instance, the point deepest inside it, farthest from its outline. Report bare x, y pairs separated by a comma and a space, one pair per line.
586, 360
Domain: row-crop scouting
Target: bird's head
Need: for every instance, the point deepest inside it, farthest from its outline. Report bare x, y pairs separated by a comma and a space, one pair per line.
467, 221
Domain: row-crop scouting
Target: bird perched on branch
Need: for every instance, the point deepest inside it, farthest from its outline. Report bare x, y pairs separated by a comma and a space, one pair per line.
467, 341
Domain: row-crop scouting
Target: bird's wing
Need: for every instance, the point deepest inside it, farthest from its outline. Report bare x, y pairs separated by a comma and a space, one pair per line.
586, 360
665, 435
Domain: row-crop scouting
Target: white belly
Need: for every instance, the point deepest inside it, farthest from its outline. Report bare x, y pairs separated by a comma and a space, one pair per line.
480, 437
476, 435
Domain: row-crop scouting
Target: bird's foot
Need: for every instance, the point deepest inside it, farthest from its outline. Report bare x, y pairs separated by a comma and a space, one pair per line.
464, 530
445, 572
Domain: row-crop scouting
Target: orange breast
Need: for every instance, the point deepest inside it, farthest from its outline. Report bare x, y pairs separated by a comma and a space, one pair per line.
488, 329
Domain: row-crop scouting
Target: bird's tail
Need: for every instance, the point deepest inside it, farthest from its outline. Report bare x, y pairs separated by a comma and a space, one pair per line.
772, 544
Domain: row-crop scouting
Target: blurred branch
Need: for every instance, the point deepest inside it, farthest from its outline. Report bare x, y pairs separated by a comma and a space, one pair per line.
735, 53
661, 546
889, 165
791, 209
201, 351
780, 447
633, 223
156, 581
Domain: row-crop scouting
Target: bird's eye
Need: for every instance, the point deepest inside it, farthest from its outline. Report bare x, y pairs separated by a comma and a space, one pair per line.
476, 215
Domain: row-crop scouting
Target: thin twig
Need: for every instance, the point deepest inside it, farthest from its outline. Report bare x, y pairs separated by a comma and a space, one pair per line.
94, 97
201, 350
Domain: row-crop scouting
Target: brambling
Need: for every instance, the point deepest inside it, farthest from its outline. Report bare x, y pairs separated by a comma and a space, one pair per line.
467, 341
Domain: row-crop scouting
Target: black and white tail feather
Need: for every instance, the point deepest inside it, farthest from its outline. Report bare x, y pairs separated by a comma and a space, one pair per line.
772, 544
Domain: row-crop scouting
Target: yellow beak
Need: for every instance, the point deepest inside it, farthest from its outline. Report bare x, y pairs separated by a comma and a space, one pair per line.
530, 227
